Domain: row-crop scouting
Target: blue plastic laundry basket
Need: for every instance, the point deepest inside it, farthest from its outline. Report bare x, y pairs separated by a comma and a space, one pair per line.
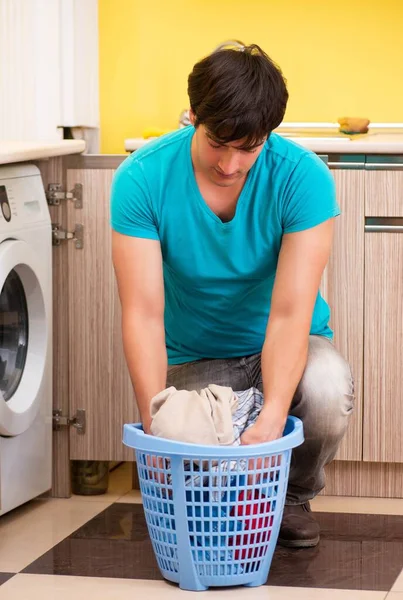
213, 513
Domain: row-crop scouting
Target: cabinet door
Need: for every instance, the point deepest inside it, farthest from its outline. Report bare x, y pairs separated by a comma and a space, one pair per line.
99, 379
343, 288
383, 351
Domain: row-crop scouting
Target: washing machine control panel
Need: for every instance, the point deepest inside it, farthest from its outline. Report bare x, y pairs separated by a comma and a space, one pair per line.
4, 203
22, 197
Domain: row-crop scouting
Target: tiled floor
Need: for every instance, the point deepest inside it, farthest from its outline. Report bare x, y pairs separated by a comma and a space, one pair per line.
5, 576
57, 549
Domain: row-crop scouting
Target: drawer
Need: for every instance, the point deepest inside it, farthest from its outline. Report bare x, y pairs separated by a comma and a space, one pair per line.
384, 193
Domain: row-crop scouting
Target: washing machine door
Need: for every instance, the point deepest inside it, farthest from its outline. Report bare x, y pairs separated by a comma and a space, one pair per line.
23, 336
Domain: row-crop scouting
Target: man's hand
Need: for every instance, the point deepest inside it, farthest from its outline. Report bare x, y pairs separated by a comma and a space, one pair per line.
269, 426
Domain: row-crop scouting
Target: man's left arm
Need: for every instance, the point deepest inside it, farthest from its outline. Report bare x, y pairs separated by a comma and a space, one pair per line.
302, 260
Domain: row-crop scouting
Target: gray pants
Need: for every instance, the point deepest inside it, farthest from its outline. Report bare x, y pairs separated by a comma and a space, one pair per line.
324, 400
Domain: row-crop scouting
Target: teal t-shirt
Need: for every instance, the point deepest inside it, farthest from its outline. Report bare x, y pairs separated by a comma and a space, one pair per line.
219, 276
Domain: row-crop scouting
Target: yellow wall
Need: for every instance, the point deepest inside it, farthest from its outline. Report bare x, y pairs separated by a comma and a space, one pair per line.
343, 57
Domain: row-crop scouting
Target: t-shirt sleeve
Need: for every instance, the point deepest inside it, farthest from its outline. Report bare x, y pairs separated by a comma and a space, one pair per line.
310, 195
131, 211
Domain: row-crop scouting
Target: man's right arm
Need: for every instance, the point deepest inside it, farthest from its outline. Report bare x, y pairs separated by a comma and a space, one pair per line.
138, 269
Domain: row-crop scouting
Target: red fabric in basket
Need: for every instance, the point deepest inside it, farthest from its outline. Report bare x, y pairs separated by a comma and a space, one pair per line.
262, 522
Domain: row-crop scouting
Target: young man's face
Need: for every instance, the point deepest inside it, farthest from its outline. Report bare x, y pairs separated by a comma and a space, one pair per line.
223, 165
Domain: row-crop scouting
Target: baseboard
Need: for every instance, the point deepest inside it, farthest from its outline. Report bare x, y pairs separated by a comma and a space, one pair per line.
364, 479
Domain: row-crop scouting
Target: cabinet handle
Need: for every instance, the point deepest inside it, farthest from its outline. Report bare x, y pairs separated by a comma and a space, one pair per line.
383, 166
384, 224
332, 164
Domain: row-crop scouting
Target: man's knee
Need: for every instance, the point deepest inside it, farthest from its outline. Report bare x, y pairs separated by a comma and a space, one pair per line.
326, 391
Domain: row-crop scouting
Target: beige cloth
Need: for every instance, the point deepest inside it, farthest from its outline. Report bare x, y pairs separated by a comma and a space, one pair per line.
204, 418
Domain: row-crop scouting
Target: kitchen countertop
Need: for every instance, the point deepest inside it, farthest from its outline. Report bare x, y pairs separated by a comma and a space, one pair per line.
12, 151
329, 142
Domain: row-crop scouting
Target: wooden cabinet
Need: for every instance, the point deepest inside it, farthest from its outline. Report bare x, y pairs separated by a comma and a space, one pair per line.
383, 329
99, 380
366, 304
343, 288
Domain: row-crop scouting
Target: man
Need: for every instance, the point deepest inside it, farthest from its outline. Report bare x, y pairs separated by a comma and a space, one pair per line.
222, 231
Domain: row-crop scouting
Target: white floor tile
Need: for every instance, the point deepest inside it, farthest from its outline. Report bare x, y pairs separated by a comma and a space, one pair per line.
57, 587
29, 531
398, 585
132, 497
346, 504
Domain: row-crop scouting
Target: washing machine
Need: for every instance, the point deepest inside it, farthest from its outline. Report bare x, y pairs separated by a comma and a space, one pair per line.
25, 337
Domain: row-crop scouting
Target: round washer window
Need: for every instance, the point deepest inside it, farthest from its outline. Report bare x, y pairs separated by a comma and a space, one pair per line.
13, 334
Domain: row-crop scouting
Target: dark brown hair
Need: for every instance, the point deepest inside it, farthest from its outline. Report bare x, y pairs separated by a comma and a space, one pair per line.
238, 93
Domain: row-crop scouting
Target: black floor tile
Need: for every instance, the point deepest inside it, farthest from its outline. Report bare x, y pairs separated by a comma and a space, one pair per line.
5, 577
99, 558
363, 552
